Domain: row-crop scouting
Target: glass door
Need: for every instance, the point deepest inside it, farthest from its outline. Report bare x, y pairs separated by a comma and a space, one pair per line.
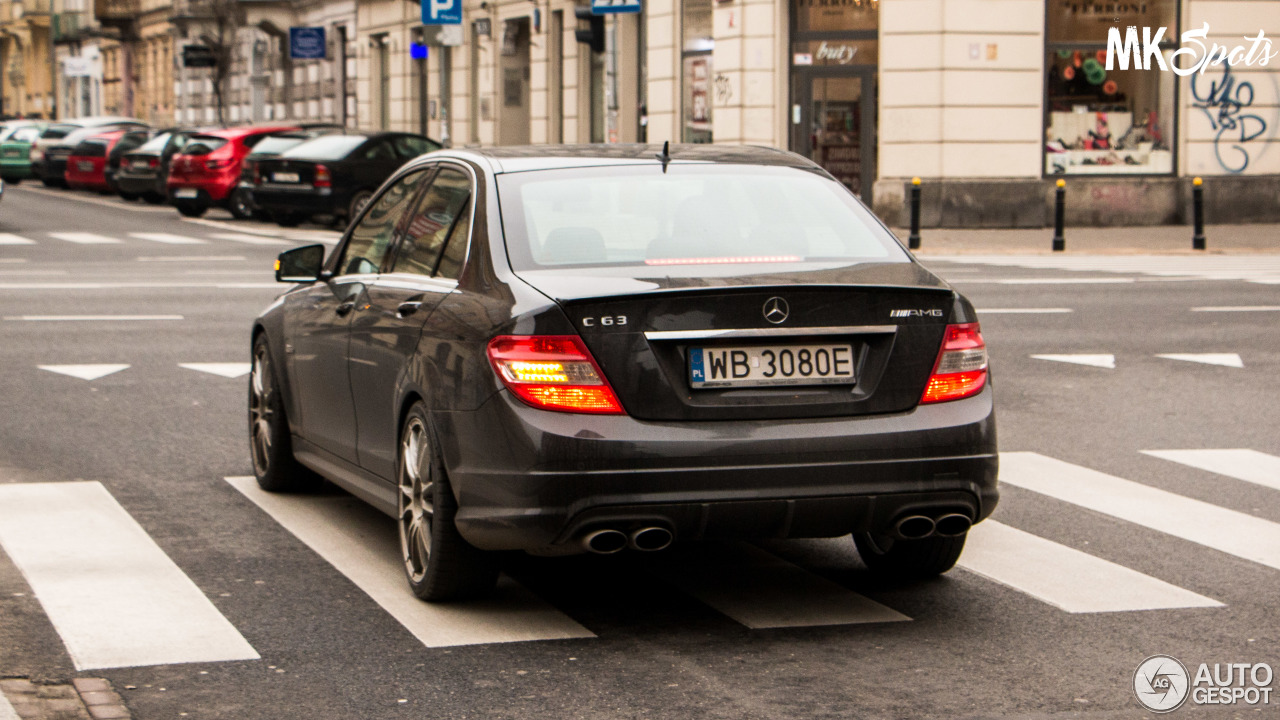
833, 123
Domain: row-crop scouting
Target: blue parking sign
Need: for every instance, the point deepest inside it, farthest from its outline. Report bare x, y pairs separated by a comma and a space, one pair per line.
441, 12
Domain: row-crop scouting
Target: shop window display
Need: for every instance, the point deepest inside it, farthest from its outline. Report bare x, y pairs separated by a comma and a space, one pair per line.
696, 70
1100, 121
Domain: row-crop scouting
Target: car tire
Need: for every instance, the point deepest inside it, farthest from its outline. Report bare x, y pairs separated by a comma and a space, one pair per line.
288, 219
129, 196
439, 564
153, 198
908, 560
191, 209
15, 181
240, 205
358, 201
51, 182
270, 444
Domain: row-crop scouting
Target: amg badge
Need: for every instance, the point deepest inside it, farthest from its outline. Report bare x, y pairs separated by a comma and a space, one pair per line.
915, 313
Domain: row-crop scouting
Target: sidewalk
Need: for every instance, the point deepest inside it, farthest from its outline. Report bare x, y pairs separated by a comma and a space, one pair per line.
1159, 240
82, 699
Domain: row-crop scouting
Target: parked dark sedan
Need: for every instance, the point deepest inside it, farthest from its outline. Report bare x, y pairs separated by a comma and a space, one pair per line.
332, 175
242, 204
144, 171
591, 348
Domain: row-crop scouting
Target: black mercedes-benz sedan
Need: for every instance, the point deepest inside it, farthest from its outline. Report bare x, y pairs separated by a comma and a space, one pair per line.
595, 348
332, 175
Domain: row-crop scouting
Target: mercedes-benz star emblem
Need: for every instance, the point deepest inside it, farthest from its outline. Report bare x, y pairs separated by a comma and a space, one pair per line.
776, 310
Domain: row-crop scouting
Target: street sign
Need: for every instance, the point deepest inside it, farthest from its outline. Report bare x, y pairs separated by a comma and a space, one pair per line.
614, 7
196, 56
441, 12
307, 43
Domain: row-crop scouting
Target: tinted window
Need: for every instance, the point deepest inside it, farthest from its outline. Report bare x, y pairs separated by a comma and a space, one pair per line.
372, 235
380, 150
275, 145
57, 132
410, 146
432, 221
90, 148
694, 215
455, 252
329, 147
156, 144
203, 144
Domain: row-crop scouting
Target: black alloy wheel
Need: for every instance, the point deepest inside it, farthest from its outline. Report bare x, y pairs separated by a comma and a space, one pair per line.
270, 445
241, 204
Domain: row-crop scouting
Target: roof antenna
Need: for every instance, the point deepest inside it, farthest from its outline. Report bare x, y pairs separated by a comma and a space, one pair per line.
665, 156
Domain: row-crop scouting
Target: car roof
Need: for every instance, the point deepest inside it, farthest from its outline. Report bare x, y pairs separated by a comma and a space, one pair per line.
522, 158
246, 130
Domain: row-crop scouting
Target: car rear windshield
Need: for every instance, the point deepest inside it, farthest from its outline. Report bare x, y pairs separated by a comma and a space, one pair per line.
271, 146
156, 144
204, 144
328, 147
691, 215
57, 132
26, 135
90, 148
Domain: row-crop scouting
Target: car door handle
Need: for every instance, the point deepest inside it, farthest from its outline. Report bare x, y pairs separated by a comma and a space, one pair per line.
408, 308
344, 308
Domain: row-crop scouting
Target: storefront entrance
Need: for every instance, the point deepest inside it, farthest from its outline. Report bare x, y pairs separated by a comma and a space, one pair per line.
833, 115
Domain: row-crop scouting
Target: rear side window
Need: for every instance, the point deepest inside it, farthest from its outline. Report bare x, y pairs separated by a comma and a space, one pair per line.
434, 219
156, 144
90, 148
408, 146
693, 215
57, 132
275, 145
328, 147
371, 237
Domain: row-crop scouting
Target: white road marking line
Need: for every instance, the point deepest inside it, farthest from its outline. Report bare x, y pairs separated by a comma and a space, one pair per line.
1065, 577
169, 238
32, 273
84, 372
250, 239
227, 369
136, 285
190, 258
1237, 308
363, 545
11, 239
761, 590
84, 238
1223, 359
1024, 311
112, 594
13, 260
1100, 360
1248, 465
89, 318
6, 710
1228, 531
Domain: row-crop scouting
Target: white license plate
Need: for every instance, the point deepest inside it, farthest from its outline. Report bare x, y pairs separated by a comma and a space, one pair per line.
186, 193
84, 166
140, 165
285, 177
757, 365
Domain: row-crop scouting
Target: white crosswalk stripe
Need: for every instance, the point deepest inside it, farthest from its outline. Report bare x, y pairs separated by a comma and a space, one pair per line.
85, 238
168, 238
1248, 465
11, 239
1259, 268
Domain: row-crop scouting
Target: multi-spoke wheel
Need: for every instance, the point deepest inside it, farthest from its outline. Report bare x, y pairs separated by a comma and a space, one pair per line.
439, 564
269, 442
907, 560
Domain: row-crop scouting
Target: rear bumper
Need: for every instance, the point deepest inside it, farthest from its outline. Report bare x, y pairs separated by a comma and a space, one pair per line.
138, 184
306, 199
16, 169
213, 191
530, 479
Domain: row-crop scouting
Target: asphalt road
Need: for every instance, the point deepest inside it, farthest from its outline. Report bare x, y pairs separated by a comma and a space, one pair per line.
1087, 519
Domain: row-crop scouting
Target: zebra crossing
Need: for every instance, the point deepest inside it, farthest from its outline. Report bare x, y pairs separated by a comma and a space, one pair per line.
284, 238
1254, 268
141, 609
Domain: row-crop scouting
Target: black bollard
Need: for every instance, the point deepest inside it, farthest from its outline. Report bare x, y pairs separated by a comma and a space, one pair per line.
1197, 213
1059, 216
913, 241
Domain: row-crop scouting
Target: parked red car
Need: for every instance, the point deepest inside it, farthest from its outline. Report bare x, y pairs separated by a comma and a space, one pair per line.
87, 164
208, 169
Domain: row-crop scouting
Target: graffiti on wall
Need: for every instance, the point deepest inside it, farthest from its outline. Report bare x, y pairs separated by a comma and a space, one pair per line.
724, 89
1226, 103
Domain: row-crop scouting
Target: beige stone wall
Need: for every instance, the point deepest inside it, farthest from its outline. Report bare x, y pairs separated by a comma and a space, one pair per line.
749, 70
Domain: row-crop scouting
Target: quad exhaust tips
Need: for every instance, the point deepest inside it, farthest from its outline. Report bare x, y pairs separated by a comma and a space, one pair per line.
609, 541
918, 527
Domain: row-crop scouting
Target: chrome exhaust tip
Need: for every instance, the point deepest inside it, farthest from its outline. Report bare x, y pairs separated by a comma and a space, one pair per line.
604, 542
651, 539
952, 525
914, 527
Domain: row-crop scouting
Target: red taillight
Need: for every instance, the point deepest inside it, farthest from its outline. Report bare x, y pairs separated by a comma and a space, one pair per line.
553, 372
153, 163
961, 369
322, 177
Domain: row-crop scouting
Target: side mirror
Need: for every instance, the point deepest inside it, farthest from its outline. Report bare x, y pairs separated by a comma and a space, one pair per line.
300, 264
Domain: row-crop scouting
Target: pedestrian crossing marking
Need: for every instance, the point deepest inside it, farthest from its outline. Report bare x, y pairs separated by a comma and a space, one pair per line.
1101, 360
1228, 531
84, 372
11, 239
84, 238
6, 710
1247, 465
249, 239
761, 590
1223, 359
225, 369
113, 595
168, 238
1257, 268
1067, 578
362, 544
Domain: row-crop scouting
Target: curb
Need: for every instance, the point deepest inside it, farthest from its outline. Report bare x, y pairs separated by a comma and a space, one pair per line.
82, 699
